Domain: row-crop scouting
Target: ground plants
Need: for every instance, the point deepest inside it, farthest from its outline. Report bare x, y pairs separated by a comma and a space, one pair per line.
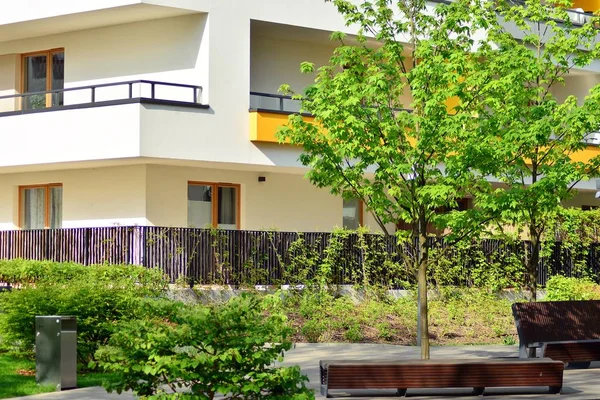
17, 378
458, 316
202, 351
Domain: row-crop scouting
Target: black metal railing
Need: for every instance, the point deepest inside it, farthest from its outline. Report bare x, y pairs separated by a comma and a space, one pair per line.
263, 257
274, 102
101, 94
281, 103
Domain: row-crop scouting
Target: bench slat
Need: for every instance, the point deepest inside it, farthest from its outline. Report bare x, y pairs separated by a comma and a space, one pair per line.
572, 352
476, 374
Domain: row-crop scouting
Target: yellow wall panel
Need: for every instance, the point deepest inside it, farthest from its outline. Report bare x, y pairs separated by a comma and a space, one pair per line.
586, 154
587, 5
264, 125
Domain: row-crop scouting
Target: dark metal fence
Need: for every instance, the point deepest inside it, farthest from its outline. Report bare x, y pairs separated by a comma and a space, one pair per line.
262, 257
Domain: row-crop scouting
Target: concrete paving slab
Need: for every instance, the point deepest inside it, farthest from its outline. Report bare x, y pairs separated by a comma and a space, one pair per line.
578, 384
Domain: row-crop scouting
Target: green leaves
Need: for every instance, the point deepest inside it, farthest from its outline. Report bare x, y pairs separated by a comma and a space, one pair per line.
97, 295
223, 348
383, 131
307, 68
536, 121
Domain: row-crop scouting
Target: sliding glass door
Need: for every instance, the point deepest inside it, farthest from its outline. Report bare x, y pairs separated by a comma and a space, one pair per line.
42, 72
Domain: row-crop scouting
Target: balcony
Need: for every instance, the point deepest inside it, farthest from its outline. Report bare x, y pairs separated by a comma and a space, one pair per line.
268, 112
96, 122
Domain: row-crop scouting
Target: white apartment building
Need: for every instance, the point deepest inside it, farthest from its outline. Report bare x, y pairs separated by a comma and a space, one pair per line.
164, 112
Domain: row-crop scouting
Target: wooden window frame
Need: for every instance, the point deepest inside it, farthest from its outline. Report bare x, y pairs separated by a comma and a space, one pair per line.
49, 72
46, 188
215, 200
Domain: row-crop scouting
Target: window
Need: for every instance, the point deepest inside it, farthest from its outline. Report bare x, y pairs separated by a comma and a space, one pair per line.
43, 71
40, 206
213, 205
352, 214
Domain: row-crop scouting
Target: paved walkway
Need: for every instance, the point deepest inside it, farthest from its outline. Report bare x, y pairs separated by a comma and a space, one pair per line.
578, 384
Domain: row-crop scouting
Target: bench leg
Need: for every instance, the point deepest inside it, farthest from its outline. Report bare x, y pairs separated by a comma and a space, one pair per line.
478, 391
401, 392
527, 352
555, 389
324, 391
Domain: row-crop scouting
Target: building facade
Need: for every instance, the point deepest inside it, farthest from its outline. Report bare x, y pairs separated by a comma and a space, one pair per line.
164, 112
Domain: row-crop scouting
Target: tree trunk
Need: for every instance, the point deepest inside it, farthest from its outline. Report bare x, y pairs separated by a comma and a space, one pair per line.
532, 265
422, 290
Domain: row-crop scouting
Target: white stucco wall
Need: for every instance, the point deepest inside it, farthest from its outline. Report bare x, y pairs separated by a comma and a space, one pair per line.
35, 15
277, 61
157, 195
284, 202
91, 197
9, 80
37, 9
70, 135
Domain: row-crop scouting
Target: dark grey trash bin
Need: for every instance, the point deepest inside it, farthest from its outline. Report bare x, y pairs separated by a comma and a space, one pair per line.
56, 351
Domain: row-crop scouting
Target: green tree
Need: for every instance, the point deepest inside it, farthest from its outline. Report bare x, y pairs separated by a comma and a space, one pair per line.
394, 112
533, 137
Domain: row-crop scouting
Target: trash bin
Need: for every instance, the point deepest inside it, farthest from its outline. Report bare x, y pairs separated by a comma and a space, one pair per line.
56, 351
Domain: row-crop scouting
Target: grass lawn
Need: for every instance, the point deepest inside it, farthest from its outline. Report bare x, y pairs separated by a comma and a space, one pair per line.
17, 378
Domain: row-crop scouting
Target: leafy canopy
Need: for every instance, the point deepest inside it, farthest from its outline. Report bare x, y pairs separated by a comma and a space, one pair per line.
394, 109
534, 135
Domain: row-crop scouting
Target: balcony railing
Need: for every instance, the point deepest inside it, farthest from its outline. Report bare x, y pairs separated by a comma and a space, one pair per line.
105, 94
592, 138
283, 104
578, 16
274, 102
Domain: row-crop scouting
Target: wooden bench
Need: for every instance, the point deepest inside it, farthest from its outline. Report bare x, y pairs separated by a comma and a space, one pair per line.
449, 373
568, 331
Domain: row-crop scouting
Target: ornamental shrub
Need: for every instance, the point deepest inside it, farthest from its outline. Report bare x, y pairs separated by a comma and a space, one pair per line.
96, 295
563, 288
199, 351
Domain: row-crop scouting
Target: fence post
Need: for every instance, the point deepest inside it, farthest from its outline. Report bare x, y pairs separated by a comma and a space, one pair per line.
86, 246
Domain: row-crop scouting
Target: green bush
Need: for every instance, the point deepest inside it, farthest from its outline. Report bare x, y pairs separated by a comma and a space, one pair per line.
562, 288
30, 272
26, 272
96, 295
224, 349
